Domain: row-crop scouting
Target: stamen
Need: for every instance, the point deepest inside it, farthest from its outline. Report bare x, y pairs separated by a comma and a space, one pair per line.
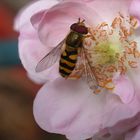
109, 50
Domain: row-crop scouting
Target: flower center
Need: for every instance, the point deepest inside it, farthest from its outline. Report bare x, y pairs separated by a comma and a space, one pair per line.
104, 53
109, 50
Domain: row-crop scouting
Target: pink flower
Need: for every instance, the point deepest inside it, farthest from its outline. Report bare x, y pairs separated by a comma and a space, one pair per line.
68, 107
135, 8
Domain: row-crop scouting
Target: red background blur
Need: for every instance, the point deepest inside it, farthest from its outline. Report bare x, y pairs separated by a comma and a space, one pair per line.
17, 92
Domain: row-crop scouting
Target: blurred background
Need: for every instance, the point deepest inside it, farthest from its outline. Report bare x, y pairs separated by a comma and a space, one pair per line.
17, 92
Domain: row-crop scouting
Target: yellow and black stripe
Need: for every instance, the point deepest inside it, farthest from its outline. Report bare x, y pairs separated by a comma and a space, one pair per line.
67, 62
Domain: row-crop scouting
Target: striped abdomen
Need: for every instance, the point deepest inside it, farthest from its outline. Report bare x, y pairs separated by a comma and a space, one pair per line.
67, 62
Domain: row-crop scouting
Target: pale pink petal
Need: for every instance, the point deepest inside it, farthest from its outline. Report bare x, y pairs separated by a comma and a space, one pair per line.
135, 8
31, 51
118, 111
55, 24
77, 0
125, 127
31, 9
36, 19
108, 9
123, 88
68, 107
67, 12
103, 7
134, 134
135, 78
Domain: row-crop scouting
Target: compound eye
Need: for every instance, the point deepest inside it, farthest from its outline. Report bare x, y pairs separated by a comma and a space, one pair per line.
79, 28
73, 26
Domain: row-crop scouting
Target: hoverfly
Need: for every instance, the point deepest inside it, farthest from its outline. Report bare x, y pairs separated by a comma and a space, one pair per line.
69, 56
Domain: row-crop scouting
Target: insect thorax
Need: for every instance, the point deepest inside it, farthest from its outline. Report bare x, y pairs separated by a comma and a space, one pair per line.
74, 39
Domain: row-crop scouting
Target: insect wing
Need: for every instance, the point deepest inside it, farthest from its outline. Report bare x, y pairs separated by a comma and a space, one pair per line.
49, 59
88, 70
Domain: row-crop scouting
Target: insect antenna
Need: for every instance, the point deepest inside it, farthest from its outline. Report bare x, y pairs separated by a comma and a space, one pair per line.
81, 22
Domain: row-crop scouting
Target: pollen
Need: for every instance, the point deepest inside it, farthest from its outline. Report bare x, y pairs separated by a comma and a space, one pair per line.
111, 49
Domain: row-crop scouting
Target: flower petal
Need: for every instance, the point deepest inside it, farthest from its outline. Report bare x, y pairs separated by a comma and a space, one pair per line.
124, 88
29, 10
36, 19
126, 127
31, 51
109, 9
58, 19
68, 107
134, 134
135, 8
135, 78
119, 112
